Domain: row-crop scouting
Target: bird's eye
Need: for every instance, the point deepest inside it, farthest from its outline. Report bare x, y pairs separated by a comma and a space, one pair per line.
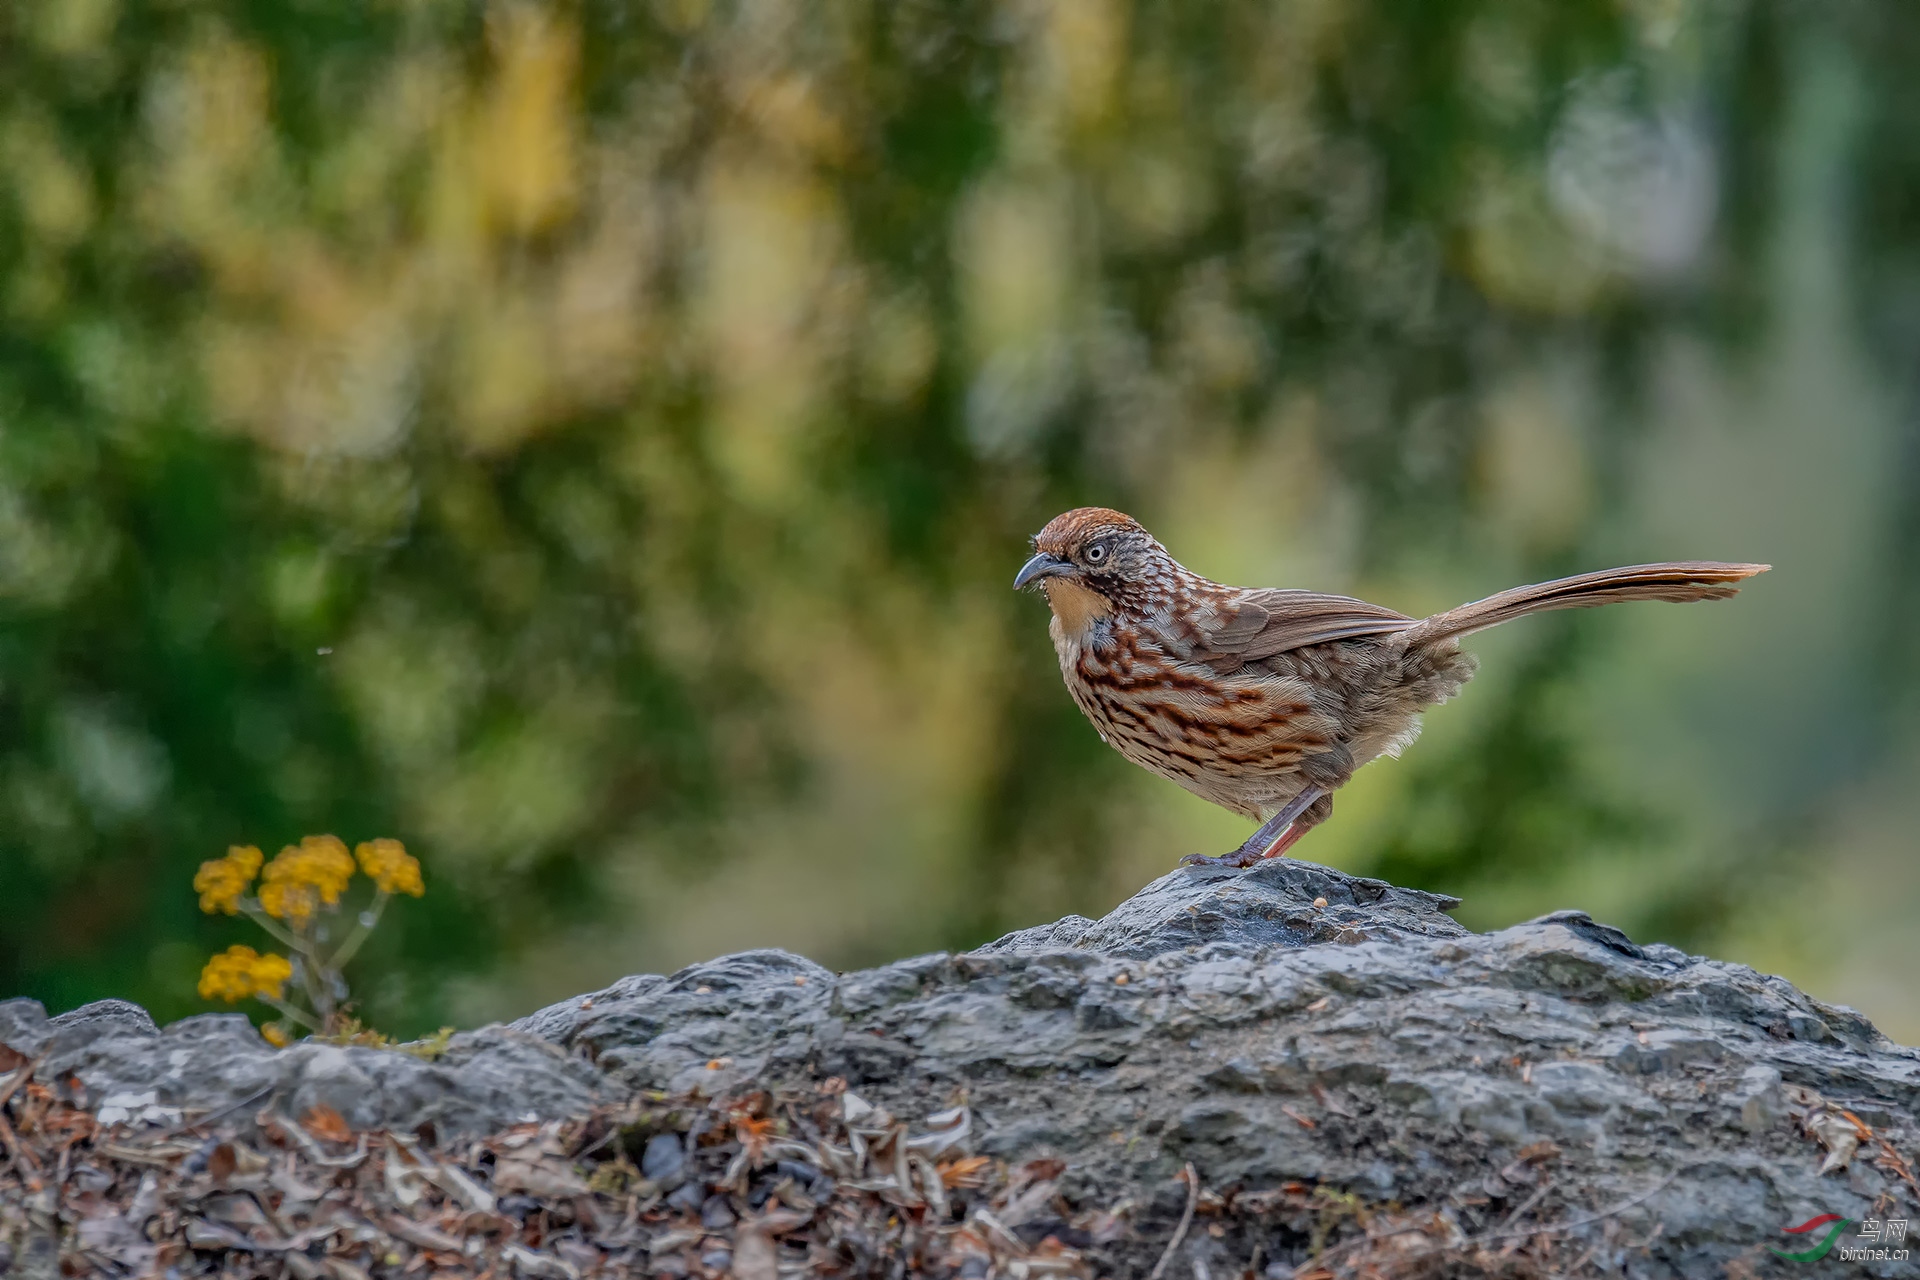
1096, 553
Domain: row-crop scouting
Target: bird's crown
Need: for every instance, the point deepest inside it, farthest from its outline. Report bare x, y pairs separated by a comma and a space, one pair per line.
1073, 529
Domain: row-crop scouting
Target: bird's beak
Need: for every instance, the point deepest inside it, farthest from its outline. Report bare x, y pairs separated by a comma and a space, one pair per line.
1041, 566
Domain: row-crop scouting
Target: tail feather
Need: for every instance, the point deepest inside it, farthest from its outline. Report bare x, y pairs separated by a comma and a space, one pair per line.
1679, 581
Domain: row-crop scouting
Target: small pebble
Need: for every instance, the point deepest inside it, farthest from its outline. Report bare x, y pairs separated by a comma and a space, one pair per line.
517, 1207
716, 1214
663, 1157
1122, 980
804, 1174
1319, 902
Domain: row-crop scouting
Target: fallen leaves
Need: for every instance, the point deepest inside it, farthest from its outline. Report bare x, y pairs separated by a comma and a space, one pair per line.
1836, 1129
760, 1185
326, 1124
968, 1171
755, 1186
1843, 1134
754, 1257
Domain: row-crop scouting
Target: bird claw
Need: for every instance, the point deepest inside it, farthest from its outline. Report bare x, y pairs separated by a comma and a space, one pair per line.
1238, 859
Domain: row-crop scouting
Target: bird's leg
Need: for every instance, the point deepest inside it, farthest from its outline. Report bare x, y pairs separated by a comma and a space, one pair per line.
1286, 842
1261, 844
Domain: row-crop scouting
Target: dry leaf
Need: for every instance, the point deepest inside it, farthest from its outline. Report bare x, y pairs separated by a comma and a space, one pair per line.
536, 1175
777, 1222
419, 1233
1840, 1138
528, 1263
754, 1257
968, 1171
945, 1131
1043, 1168
326, 1124
221, 1163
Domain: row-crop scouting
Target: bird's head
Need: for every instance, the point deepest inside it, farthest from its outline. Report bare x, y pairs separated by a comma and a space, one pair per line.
1089, 560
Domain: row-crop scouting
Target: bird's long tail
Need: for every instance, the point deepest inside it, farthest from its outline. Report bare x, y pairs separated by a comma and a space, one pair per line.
1679, 581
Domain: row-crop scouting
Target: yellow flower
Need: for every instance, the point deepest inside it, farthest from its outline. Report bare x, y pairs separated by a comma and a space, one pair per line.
240, 971
221, 881
287, 900
270, 974
303, 876
228, 976
276, 1035
327, 866
390, 866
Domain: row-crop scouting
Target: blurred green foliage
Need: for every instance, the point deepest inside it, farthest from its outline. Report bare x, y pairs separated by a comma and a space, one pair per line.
592, 442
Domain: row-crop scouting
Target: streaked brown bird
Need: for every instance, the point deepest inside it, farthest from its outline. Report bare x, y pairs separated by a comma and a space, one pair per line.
1266, 701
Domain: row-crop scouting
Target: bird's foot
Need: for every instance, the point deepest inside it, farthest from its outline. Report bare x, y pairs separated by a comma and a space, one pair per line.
1254, 850
1240, 858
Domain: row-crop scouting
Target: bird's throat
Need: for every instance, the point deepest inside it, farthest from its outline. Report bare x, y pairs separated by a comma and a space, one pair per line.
1076, 607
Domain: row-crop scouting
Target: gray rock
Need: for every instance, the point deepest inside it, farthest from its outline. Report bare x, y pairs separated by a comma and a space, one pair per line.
1216, 1017
24, 1026
1271, 904
485, 1080
663, 1158
102, 1017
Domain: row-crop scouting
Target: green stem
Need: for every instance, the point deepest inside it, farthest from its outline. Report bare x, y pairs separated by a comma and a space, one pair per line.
272, 926
361, 928
317, 995
288, 1011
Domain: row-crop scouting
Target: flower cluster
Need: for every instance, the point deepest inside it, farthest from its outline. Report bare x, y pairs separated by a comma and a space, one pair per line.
303, 876
240, 972
391, 868
221, 882
299, 896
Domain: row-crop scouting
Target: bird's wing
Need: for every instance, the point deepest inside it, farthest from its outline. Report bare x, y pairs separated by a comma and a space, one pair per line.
1259, 624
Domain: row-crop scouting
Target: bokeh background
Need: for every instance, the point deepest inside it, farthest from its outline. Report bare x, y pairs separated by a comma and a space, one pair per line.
592, 442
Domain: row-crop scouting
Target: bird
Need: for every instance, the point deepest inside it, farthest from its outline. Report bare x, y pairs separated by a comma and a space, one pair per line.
1265, 701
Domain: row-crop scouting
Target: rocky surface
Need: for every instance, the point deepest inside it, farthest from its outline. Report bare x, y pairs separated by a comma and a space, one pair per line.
485, 1081
1285, 1024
